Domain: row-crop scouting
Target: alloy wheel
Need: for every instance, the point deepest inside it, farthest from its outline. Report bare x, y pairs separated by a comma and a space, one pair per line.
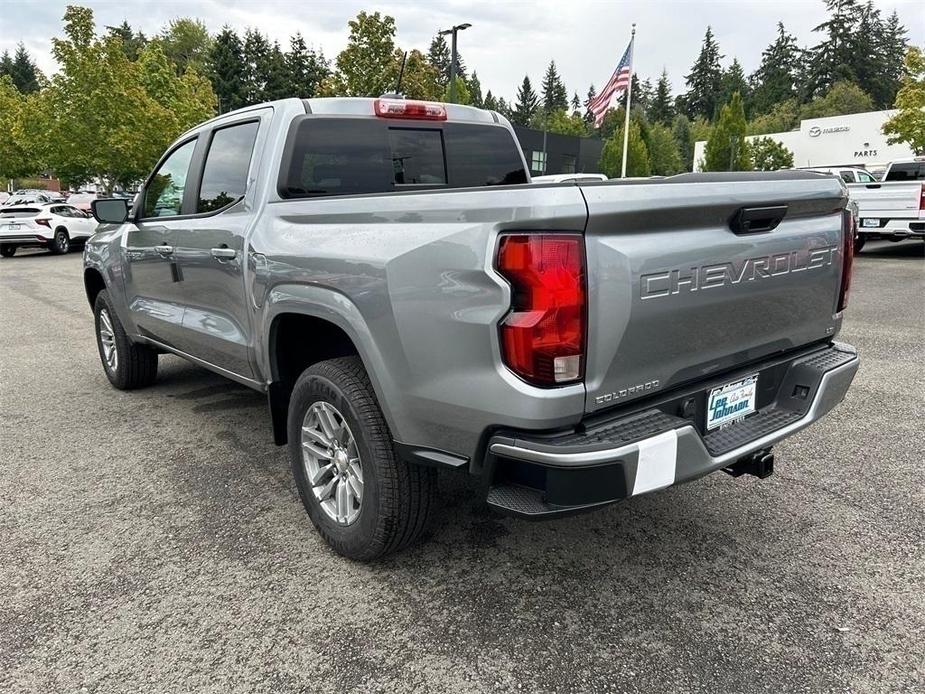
108, 340
332, 463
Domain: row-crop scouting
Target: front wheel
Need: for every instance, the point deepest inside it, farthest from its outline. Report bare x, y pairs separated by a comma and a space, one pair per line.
7, 251
127, 365
362, 499
61, 243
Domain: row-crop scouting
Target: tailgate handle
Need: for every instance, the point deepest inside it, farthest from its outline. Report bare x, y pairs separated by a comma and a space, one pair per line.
752, 220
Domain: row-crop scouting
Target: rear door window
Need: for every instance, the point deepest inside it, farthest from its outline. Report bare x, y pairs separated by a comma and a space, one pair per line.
224, 178
348, 156
911, 171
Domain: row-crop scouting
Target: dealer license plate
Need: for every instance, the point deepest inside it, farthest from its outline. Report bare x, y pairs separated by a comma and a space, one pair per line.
12, 227
731, 402
870, 223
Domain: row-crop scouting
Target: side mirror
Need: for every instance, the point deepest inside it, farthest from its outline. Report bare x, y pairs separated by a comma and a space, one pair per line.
110, 210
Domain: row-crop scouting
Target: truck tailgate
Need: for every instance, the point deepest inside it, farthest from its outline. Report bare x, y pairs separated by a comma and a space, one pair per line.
675, 295
895, 200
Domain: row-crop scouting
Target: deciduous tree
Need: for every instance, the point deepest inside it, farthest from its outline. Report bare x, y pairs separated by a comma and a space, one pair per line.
363, 67
770, 155
908, 125
637, 155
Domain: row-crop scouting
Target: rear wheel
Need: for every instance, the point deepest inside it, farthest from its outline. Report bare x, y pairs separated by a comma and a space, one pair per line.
7, 251
127, 365
61, 243
859, 242
363, 500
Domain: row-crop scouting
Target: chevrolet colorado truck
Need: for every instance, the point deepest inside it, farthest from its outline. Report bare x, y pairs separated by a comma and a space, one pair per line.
380, 270
894, 208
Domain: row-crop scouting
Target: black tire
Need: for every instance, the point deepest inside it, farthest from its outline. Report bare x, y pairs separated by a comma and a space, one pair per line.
60, 243
7, 251
397, 496
136, 365
859, 242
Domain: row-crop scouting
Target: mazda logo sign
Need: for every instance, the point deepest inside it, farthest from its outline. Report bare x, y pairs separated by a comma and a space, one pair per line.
815, 131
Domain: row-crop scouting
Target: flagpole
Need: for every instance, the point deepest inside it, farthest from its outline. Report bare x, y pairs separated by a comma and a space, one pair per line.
629, 93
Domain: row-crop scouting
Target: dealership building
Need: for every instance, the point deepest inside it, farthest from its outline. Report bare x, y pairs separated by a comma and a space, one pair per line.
855, 140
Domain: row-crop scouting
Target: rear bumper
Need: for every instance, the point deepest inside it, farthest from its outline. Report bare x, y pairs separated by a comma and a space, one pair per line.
894, 227
609, 460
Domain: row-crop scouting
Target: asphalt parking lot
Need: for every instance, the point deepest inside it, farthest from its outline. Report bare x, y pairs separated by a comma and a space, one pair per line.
154, 542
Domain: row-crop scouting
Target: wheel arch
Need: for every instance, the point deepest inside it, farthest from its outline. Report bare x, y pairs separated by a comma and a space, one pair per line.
93, 284
295, 341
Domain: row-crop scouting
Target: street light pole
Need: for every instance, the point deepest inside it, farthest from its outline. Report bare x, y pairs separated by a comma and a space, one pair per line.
455, 30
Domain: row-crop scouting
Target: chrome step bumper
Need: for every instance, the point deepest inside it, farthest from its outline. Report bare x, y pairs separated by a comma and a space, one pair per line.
652, 450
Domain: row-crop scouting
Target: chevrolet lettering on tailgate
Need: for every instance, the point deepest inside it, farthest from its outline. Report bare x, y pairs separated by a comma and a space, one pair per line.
669, 282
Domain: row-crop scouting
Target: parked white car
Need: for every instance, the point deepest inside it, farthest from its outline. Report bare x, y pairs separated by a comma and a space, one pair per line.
848, 174
81, 200
55, 226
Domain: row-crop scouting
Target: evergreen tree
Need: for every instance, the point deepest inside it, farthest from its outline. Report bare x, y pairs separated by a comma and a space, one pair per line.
704, 83
490, 103
133, 43
475, 91
775, 79
661, 108
277, 75
833, 59
664, 155
643, 93
305, 69
504, 108
589, 116
555, 97
257, 66
227, 68
526, 105
439, 55
891, 46
734, 81
576, 104
681, 131
727, 149
24, 73
6, 65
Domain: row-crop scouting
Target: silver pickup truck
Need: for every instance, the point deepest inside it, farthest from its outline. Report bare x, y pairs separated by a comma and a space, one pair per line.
378, 268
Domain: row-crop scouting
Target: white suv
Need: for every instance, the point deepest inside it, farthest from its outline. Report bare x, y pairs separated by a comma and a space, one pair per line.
54, 226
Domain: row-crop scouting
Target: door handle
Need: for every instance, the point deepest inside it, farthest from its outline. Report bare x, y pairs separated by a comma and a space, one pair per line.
224, 253
164, 250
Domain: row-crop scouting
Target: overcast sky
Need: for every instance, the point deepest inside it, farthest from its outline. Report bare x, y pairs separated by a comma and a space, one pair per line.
508, 38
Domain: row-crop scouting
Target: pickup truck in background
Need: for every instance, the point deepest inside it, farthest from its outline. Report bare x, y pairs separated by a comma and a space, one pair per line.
379, 270
894, 208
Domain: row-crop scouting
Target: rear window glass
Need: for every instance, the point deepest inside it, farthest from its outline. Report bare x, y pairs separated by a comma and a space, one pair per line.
19, 210
913, 171
347, 156
224, 178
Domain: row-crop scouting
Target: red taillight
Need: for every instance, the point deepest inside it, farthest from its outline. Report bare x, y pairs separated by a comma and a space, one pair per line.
419, 110
45, 222
543, 337
922, 199
849, 230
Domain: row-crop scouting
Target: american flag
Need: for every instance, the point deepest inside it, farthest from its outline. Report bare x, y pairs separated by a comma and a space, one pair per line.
616, 85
